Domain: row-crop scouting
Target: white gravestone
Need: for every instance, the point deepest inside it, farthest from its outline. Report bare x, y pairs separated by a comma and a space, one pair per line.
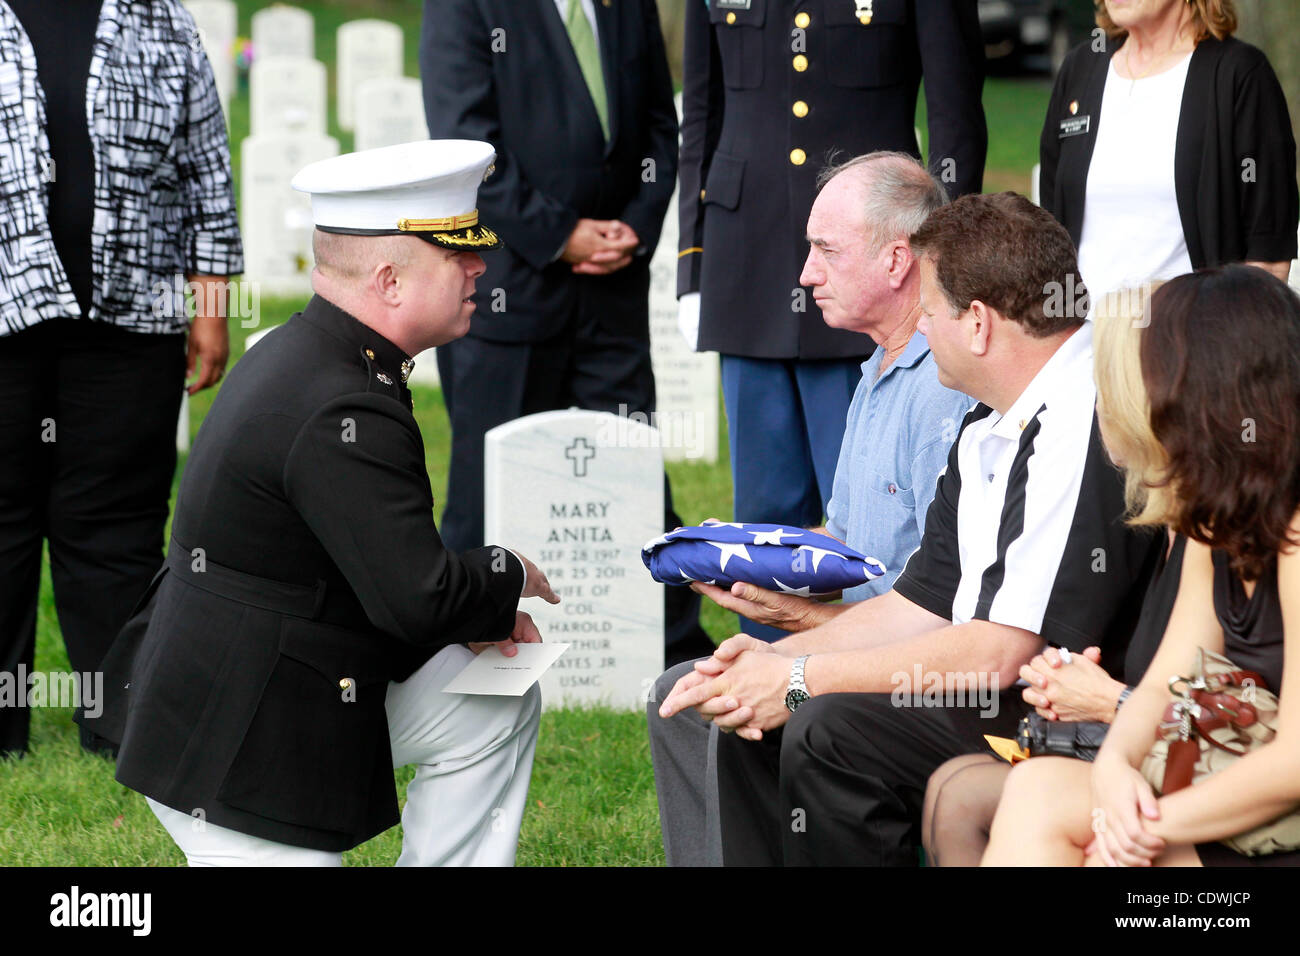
183, 426
217, 22
288, 95
579, 493
258, 336
276, 220
389, 111
281, 30
366, 49
686, 382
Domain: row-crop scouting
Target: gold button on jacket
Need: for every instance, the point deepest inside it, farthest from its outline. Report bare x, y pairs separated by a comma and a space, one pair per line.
798, 156
800, 63
800, 108
802, 20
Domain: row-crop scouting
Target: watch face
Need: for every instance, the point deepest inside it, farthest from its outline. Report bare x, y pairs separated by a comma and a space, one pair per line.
793, 698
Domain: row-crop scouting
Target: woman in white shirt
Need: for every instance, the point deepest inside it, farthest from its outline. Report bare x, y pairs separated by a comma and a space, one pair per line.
1167, 147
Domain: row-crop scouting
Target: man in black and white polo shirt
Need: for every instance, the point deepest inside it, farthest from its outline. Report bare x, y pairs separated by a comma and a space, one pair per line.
839, 727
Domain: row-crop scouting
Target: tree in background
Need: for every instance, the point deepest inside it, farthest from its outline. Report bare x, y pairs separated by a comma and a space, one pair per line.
1270, 25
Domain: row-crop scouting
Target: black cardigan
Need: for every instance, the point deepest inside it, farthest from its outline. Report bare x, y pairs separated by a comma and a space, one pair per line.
1233, 110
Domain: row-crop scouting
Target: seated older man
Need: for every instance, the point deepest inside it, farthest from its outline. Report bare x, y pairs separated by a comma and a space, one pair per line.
900, 424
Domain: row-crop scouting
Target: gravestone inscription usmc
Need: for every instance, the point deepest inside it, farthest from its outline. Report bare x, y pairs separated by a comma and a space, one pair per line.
580, 492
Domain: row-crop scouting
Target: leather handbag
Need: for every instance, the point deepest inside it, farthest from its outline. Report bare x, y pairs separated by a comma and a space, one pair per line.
1216, 717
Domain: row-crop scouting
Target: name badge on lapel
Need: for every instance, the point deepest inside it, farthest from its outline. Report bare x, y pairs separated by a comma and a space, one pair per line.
1074, 126
732, 4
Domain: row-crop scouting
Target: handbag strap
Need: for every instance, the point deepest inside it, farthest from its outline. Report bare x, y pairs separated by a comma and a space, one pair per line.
1238, 678
1218, 716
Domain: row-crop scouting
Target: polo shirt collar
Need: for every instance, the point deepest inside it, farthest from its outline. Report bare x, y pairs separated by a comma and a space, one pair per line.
913, 354
1053, 378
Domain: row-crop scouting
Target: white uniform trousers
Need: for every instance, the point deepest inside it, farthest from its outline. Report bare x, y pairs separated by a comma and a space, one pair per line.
473, 756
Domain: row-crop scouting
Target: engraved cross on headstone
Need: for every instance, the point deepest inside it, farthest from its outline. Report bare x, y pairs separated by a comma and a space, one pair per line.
580, 453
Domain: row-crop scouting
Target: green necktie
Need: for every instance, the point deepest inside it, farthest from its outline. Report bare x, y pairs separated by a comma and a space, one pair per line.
584, 45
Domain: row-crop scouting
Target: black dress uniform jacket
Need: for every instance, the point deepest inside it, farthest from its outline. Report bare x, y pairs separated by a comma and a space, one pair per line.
504, 71
1234, 153
304, 573
772, 86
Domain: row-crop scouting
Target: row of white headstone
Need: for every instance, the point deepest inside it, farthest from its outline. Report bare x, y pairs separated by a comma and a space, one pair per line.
287, 120
366, 49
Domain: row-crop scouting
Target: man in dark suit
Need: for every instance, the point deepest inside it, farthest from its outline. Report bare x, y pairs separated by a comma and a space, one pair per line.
294, 647
577, 99
771, 87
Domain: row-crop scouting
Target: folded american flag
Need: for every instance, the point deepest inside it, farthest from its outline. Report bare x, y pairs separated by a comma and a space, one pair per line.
773, 556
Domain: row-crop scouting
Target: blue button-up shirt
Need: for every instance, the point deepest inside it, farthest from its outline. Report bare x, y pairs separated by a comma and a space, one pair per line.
896, 439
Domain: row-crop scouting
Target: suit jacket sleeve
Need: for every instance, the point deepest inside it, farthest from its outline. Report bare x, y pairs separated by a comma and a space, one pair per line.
1265, 145
1049, 145
952, 63
461, 101
702, 108
645, 211
355, 473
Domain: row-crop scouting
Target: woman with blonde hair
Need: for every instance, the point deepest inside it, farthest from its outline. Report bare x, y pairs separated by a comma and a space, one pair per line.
1211, 437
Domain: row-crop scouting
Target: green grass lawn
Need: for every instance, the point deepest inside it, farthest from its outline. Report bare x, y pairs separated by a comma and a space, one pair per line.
592, 800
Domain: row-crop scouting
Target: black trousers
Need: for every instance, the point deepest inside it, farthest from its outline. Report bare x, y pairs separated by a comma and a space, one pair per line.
842, 784
589, 366
87, 456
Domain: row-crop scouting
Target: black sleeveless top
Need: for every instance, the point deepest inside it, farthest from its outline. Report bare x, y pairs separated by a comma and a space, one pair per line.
1252, 627
1252, 639
1156, 608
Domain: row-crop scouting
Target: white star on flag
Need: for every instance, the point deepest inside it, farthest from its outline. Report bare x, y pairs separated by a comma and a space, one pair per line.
818, 554
731, 551
687, 577
805, 591
772, 537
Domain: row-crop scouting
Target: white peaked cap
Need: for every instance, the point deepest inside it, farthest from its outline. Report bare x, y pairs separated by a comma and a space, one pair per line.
428, 189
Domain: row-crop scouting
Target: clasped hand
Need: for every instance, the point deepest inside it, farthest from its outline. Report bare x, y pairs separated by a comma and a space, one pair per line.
1074, 691
600, 246
740, 688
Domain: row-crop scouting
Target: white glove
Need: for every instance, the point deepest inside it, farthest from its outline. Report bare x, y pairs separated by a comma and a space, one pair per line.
688, 319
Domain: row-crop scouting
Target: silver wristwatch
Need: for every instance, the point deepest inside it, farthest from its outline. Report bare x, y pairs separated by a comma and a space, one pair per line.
797, 692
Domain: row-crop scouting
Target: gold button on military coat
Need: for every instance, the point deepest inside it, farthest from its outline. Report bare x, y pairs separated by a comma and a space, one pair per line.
769, 88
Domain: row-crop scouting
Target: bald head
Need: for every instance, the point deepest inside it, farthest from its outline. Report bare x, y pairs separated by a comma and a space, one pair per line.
348, 259
896, 194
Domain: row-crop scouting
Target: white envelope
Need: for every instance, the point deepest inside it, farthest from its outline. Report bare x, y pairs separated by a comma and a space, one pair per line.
495, 674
